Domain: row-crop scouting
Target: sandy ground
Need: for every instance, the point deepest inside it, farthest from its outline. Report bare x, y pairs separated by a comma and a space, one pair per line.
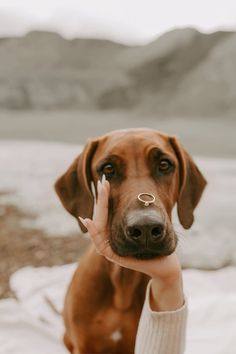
20, 246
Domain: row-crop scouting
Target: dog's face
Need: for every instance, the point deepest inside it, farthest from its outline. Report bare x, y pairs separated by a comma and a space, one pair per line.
136, 161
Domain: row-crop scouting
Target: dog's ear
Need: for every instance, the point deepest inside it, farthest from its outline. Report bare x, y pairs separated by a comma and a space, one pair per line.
191, 184
74, 186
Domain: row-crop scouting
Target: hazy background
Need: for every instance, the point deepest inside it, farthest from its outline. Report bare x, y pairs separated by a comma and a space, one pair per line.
164, 65
71, 70
130, 22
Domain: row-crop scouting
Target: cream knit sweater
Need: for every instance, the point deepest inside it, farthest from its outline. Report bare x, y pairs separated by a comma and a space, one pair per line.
161, 332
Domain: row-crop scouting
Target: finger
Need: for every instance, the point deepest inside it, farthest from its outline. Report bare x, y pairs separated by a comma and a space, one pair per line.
107, 187
105, 183
101, 242
99, 238
101, 210
103, 189
103, 178
82, 220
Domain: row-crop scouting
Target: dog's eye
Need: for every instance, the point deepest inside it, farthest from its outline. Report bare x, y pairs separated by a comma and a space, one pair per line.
108, 170
164, 165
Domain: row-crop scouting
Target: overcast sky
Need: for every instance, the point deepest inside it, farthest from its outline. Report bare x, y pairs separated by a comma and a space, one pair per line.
127, 21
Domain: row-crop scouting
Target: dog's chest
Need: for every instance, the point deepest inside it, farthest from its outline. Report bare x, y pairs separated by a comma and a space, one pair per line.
113, 329
115, 325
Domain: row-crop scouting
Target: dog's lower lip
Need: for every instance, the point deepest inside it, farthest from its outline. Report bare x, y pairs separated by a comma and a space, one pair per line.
144, 253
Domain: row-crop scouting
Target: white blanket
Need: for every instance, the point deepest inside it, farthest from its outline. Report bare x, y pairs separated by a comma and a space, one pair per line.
31, 326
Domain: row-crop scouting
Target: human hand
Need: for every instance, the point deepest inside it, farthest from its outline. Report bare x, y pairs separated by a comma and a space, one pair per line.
165, 271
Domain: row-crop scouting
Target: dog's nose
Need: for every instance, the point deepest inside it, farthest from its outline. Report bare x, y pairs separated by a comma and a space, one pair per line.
145, 227
145, 232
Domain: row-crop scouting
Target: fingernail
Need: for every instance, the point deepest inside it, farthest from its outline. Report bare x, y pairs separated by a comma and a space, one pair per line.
99, 186
103, 178
83, 221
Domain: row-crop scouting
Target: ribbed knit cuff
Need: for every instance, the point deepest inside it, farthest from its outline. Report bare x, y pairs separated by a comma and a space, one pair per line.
161, 332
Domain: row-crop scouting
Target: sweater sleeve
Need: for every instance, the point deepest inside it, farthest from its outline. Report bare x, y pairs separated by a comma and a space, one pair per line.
161, 332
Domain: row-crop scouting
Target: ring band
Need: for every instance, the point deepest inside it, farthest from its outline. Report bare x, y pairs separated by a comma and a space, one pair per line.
146, 202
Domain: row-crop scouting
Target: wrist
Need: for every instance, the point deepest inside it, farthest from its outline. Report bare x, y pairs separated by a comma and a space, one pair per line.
167, 294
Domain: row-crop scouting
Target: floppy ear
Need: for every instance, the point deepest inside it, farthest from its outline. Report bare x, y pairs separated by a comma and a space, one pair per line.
74, 186
191, 185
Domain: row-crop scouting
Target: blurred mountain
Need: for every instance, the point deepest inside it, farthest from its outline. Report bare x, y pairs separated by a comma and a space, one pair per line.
182, 72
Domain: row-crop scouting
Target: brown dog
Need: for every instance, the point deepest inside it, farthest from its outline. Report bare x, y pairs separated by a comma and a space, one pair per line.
104, 301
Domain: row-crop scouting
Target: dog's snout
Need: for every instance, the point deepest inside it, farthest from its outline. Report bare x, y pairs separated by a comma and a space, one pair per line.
143, 227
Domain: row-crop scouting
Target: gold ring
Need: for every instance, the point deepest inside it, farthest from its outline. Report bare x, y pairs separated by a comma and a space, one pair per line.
146, 202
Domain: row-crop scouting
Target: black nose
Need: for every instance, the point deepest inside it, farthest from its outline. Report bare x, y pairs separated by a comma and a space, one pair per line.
145, 228
139, 232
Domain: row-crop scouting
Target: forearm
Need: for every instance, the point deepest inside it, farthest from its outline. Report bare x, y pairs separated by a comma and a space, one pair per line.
162, 326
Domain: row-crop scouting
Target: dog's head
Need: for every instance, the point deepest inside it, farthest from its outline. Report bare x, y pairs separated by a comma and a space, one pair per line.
135, 161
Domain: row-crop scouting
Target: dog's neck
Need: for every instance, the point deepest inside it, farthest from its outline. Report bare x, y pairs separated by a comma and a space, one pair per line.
125, 283
124, 287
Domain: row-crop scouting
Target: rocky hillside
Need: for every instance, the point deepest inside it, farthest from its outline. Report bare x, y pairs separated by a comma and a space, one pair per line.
182, 72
